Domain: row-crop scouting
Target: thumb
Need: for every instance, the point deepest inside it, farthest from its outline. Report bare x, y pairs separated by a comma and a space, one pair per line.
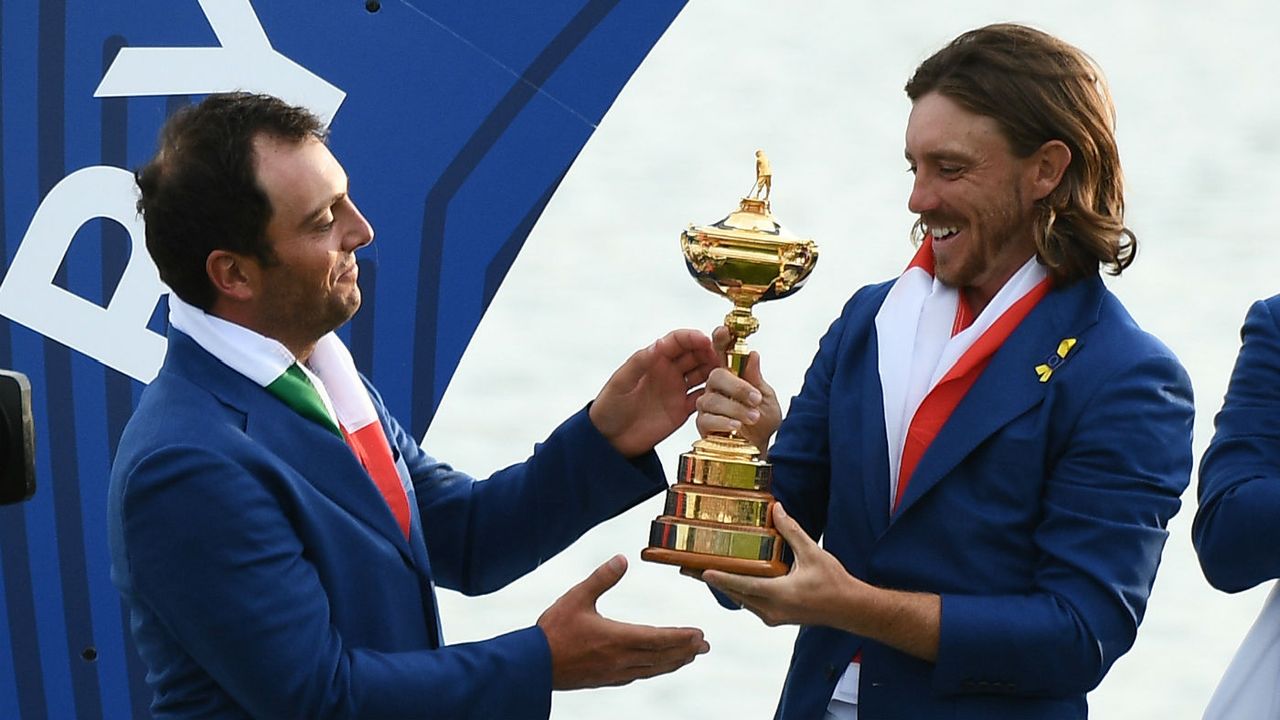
790, 530
751, 373
601, 579
630, 372
721, 341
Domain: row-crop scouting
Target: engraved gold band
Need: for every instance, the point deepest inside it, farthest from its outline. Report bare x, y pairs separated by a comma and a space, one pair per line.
730, 507
697, 537
700, 469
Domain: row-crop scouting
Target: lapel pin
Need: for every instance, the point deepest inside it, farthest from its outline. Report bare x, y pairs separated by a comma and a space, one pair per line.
1045, 371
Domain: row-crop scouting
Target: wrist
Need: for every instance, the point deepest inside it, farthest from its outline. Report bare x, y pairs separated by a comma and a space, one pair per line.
614, 436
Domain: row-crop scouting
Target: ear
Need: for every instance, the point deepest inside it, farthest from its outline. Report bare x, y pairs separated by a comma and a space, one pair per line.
1047, 166
234, 276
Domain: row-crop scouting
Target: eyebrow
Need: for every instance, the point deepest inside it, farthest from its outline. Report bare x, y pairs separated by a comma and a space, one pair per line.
942, 155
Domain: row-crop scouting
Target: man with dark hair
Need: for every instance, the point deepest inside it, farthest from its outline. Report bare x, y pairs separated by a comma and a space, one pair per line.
277, 535
989, 446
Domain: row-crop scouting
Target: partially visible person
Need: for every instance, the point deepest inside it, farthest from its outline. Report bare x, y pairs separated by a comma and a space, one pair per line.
277, 536
1237, 526
989, 447
1236, 531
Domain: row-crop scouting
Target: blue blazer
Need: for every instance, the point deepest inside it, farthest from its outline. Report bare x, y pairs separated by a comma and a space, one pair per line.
267, 578
1237, 526
1038, 513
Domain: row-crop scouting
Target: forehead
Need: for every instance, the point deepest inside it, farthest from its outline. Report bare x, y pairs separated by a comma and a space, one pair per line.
939, 125
296, 175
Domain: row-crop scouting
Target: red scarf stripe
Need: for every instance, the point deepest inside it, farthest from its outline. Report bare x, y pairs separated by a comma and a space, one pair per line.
370, 445
937, 406
923, 258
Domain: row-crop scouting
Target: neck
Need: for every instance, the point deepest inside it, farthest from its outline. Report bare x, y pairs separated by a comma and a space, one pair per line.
978, 299
300, 348
301, 352
979, 294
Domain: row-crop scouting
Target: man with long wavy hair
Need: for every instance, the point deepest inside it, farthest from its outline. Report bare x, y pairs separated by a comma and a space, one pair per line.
988, 446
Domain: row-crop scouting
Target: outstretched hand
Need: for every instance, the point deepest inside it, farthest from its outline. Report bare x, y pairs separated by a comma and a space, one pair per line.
589, 650
744, 405
654, 391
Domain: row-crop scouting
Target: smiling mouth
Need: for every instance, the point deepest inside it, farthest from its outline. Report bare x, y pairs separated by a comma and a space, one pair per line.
352, 271
942, 232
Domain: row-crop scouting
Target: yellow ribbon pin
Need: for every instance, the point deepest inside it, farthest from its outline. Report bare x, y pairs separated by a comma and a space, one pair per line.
1045, 371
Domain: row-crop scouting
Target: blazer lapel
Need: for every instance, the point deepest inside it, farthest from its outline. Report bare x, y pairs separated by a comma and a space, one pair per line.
875, 446
316, 454
325, 461
1009, 386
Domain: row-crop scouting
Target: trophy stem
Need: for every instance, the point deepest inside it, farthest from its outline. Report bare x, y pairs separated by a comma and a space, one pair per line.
740, 323
736, 359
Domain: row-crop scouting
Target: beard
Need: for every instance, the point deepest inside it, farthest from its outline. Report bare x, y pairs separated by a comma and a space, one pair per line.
997, 239
303, 315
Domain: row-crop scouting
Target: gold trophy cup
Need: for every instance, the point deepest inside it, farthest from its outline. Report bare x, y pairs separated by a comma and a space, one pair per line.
718, 515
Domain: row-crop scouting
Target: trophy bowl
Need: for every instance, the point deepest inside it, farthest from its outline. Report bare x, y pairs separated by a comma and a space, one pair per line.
718, 515
748, 256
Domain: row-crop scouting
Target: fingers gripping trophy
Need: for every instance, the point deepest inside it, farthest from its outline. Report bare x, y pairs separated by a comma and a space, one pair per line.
718, 515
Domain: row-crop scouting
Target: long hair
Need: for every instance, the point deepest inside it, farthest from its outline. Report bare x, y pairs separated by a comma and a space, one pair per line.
200, 192
1039, 88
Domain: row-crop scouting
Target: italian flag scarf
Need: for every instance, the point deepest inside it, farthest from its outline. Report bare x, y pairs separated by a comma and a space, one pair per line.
327, 391
932, 349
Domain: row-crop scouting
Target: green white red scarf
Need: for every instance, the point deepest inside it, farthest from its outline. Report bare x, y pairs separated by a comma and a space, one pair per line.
327, 390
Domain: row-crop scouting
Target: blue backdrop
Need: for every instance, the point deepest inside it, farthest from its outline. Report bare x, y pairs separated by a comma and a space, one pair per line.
455, 119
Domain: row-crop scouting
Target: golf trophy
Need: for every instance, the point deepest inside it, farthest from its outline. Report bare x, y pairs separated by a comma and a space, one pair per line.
719, 513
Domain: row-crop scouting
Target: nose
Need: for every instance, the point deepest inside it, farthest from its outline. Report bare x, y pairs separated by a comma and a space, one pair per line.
923, 199
360, 232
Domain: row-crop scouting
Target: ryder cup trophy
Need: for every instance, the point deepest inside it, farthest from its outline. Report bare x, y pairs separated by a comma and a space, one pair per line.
718, 515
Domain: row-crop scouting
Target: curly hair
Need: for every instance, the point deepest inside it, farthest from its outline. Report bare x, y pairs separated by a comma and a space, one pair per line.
1039, 88
200, 193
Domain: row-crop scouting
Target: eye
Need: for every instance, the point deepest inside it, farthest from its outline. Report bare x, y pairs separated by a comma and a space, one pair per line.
911, 169
950, 170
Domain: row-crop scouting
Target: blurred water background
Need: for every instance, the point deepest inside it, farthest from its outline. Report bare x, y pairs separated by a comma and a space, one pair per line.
818, 85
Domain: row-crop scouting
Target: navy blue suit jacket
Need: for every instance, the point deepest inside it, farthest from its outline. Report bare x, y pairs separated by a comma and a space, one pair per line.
1237, 526
267, 578
1038, 513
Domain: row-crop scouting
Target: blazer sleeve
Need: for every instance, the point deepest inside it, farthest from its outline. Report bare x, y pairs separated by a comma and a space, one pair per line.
214, 560
1105, 506
802, 453
1237, 526
482, 535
